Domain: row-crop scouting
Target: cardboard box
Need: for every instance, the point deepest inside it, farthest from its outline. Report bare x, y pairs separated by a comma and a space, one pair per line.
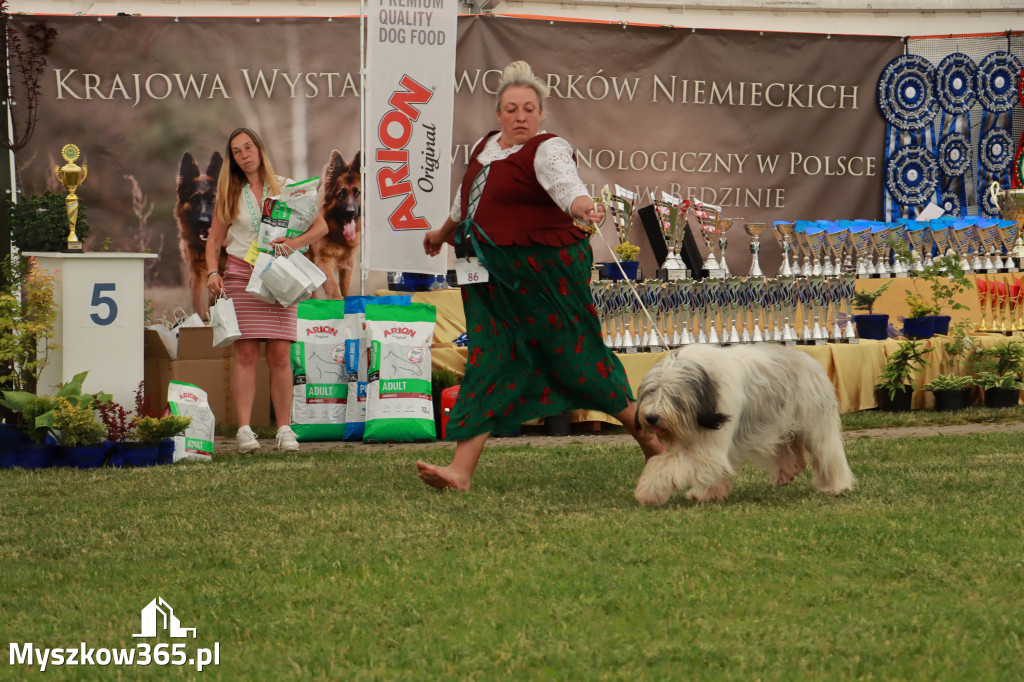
202, 365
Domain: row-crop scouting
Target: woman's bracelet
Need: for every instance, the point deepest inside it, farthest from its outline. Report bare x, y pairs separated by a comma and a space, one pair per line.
210, 273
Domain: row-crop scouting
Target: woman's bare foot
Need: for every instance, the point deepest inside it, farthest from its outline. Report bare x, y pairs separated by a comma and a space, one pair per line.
650, 445
442, 478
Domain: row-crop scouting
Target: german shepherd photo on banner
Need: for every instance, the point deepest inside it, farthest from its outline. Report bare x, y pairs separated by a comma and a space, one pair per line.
193, 211
340, 201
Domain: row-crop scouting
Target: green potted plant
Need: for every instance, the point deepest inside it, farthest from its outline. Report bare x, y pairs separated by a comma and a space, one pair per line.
28, 316
40, 222
627, 254
946, 280
34, 415
156, 429
999, 377
953, 391
870, 325
160, 431
79, 433
895, 382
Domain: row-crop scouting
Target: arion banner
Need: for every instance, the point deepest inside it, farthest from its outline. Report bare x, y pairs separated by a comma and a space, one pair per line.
771, 126
410, 57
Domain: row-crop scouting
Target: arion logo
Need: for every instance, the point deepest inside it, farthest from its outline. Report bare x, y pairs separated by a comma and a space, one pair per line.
394, 131
158, 614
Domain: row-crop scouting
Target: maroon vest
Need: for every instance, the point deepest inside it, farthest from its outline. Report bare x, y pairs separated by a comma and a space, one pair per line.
514, 208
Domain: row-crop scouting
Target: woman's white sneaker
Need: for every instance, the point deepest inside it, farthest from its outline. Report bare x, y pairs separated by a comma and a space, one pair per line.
286, 441
246, 440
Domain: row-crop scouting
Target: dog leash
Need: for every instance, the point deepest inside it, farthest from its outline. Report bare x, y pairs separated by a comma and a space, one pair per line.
605, 200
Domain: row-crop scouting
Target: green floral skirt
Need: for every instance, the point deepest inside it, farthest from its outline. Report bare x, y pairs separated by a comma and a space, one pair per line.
537, 349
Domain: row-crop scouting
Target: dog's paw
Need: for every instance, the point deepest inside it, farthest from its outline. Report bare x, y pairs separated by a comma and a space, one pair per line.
646, 495
716, 493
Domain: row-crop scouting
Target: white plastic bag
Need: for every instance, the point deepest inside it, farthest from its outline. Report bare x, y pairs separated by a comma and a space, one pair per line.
224, 323
183, 320
308, 268
288, 284
255, 285
168, 336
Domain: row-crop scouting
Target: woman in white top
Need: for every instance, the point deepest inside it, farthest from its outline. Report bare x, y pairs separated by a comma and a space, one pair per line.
245, 183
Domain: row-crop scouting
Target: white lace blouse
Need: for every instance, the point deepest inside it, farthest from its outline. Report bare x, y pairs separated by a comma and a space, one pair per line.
553, 164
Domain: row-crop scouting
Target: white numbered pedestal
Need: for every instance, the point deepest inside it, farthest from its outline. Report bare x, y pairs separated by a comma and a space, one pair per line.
101, 314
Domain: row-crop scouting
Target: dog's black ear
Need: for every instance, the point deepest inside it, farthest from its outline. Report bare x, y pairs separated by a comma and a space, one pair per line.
354, 166
706, 394
712, 420
188, 171
335, 166
213, 170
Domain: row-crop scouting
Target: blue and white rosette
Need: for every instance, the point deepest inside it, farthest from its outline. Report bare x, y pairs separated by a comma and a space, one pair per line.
908, 102
906, 92
912, 177
954, 88
996, 85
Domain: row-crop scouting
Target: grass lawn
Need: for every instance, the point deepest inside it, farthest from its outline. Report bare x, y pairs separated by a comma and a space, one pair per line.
344, 566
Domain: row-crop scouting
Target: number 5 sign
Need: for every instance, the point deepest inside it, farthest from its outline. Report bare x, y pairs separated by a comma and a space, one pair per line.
102, 309
100, 301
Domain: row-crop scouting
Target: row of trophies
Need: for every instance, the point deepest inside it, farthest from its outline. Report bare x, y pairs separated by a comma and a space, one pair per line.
786, 309
829, 248
1001, 300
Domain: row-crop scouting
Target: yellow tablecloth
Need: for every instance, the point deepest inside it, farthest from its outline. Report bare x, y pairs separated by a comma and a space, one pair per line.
853, 368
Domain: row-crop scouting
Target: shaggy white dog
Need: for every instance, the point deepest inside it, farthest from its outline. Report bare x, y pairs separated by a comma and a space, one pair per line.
714, 408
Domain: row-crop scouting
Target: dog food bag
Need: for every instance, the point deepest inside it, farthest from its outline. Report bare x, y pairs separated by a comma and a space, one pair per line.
356, 358
188, 400
399, 403
319, 379
288, 214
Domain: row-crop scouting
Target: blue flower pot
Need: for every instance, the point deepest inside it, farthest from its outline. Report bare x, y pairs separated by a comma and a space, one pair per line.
919, 327
83, 457
165, 451
36, 456
631, 267
136, 454
872, 326
12, 441
942, 324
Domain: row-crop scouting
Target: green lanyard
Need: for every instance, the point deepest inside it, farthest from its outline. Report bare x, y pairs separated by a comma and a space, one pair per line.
499, 266
254, 215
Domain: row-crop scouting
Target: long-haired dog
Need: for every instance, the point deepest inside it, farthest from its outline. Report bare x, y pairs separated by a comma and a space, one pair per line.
193, 211
714, 408
340, 201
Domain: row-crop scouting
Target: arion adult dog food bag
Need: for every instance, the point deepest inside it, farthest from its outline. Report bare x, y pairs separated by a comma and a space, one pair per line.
356, 358
187, 400
399, 406
289, 214
319, 379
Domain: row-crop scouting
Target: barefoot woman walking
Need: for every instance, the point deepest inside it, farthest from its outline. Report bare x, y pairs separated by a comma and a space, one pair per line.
535, 344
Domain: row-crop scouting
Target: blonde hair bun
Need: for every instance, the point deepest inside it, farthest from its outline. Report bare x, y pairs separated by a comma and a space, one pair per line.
520, 73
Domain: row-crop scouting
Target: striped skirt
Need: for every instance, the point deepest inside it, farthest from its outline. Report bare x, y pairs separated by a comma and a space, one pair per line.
256, 319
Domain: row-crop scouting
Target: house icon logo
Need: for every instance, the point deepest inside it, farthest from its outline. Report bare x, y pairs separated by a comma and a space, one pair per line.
157, 613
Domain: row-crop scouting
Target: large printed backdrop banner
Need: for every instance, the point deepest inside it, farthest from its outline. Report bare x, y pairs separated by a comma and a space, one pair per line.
771, 126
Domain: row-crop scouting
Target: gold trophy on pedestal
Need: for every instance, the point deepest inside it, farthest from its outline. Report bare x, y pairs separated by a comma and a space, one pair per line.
71, 175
